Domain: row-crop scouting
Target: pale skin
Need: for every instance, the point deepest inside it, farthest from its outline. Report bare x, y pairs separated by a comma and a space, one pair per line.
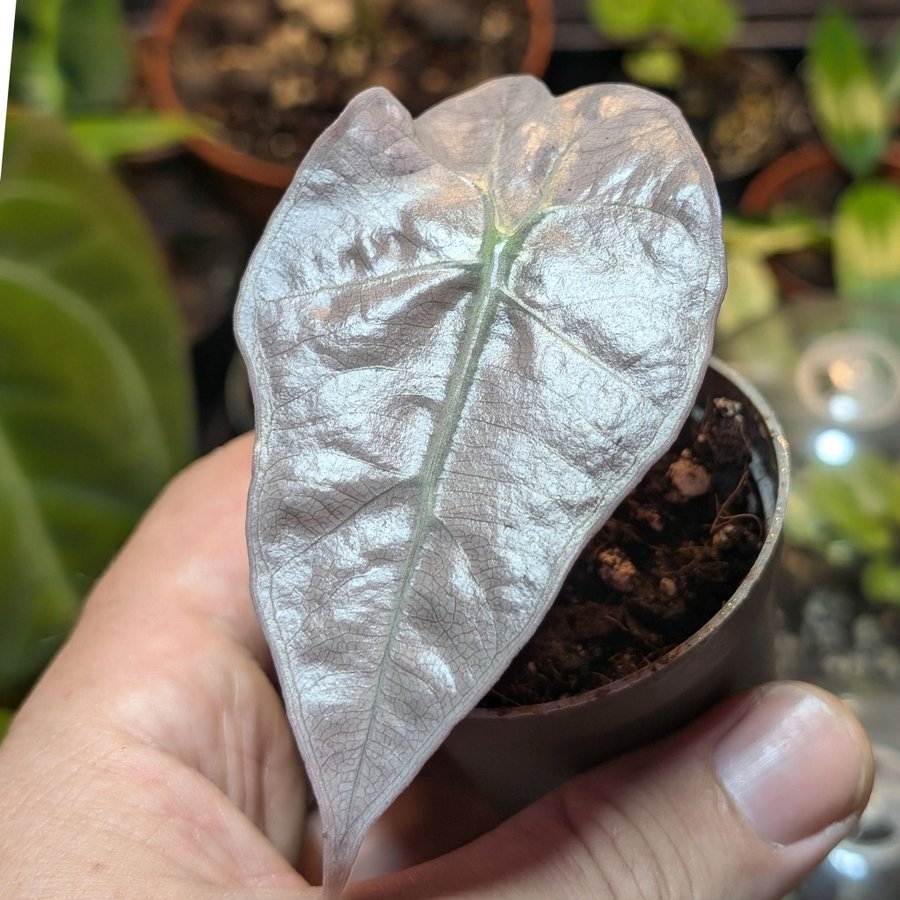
154, 759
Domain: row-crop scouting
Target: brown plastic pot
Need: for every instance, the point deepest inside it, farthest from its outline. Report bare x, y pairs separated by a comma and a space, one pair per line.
258, 184
794, 179
517, 754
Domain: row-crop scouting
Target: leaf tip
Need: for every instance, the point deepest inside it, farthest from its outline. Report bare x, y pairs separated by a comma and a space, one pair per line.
340, 852
335, 881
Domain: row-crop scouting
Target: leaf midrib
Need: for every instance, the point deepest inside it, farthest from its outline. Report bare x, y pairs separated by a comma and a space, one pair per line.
498, 253
475, 337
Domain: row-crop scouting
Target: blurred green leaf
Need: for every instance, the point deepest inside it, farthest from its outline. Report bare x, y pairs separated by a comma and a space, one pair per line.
5, 718
655, 66
752, 289
94, 397
789, 232
70, 55
848, 103
95, 54
890, 67
803, 523
627, 21
880, 581
36, 79
106, 138
704, 26
752, 293
849, 514
853, 514
852, 506
867, 534
875, 481
866, 242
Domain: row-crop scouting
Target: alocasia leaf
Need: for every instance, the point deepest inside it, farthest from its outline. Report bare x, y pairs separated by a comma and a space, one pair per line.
469, 335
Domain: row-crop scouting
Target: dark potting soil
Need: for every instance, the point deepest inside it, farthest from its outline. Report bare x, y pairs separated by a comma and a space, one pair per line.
275, 73
666, 561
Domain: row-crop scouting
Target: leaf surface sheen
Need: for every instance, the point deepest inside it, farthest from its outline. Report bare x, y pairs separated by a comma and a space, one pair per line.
469, 335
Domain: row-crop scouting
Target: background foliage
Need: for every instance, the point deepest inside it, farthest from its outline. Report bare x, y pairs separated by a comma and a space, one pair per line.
95, 410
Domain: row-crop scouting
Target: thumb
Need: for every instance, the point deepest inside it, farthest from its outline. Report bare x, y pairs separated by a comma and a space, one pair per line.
740, 804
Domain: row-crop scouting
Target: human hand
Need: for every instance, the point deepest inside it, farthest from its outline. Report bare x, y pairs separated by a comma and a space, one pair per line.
154, 759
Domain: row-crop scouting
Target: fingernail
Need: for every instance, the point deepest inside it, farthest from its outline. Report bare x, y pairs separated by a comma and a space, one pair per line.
791, 765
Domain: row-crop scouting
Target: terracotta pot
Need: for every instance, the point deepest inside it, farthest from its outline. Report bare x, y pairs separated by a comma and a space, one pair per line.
517, 754
258, 184
794, 179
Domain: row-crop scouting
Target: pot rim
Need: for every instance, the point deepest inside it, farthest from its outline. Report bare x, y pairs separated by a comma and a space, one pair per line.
774, 524
156, 65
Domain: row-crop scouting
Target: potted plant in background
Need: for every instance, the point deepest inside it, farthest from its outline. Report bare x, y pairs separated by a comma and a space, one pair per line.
850, 182
831, 363
469, 337
274, 74
75, 61
741, 105
829, 359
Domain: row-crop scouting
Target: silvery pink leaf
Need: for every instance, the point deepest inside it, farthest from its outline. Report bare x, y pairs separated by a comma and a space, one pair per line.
469, 335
